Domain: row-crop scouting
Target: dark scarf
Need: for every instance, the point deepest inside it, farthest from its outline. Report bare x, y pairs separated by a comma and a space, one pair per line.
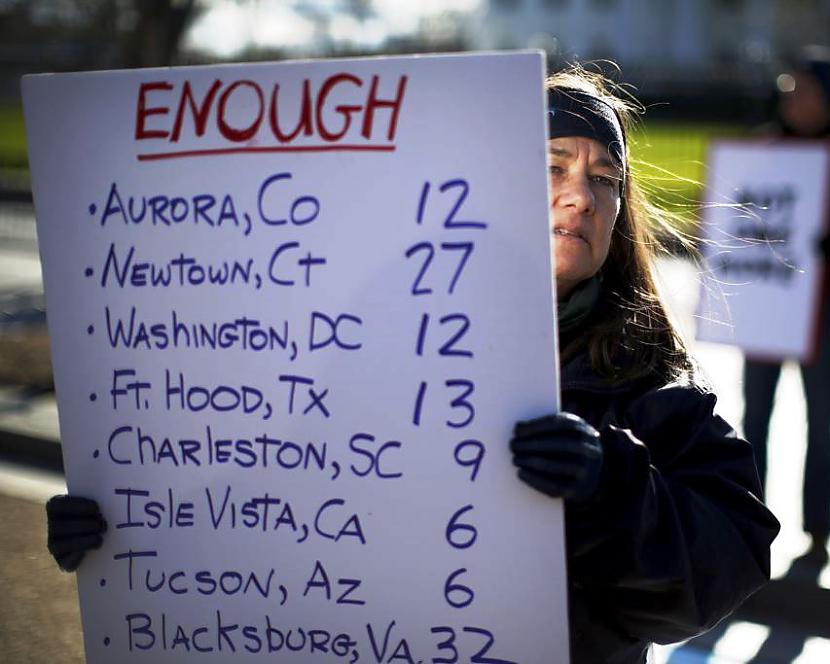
572, 312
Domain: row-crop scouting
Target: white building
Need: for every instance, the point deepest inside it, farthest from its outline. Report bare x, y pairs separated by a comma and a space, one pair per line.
693, 36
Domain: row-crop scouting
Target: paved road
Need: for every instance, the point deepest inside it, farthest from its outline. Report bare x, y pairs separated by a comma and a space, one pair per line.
39, 617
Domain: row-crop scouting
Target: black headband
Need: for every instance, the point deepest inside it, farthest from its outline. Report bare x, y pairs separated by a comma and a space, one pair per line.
577, 113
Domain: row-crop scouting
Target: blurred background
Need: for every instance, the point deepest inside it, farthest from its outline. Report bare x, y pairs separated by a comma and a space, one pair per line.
704, 69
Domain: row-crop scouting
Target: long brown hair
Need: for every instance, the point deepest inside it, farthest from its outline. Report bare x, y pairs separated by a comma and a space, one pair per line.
631, 335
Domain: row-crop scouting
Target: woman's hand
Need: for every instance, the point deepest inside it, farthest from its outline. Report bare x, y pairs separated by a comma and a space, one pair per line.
560, 455
75, 526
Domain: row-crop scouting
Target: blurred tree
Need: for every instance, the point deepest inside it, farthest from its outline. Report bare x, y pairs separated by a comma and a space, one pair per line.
157, 30
88, 34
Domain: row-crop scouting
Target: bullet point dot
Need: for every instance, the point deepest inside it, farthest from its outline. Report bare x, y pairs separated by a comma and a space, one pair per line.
88, 272
106, 641
90, 330
102, 582
93, 396
95, 454
92, 208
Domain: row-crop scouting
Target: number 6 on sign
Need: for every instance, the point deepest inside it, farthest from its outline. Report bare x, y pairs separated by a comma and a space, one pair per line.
458, 588
453, 528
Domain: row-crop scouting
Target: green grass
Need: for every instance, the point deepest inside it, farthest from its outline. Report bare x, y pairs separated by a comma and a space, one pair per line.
669, 159
14, 163
12, 137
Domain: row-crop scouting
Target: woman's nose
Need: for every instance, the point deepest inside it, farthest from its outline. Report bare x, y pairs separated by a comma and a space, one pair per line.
575, 192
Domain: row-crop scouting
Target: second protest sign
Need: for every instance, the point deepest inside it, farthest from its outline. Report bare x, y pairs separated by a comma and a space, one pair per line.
761, 235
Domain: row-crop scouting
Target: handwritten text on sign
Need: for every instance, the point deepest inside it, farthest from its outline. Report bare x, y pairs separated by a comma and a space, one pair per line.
295, 311
260, 111
762, 246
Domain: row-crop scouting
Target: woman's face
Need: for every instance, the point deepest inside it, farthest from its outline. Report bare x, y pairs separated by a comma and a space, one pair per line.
585, 186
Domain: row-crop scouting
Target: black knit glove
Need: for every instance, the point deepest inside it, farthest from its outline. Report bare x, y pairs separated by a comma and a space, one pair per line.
75, 526
560, 455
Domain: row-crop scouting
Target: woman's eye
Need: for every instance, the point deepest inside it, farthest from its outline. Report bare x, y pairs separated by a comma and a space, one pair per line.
556, 170
606, 181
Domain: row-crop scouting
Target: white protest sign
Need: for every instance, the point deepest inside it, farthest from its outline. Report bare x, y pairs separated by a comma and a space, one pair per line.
295, 310
763, 267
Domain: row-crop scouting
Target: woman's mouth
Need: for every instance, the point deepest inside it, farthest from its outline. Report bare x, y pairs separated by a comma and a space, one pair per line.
564, 232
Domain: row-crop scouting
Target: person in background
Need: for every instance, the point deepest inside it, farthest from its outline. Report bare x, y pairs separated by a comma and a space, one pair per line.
803, 112
666, 534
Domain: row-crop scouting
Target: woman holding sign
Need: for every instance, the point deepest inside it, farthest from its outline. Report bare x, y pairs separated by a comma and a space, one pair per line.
665, 533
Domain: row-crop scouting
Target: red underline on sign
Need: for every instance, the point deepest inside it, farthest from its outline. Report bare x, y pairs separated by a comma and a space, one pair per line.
274, 148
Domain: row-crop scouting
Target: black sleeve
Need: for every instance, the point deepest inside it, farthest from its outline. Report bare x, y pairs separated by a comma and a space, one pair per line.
677, 539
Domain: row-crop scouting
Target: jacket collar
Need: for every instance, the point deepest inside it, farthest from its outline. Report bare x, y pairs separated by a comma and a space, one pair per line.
577, 374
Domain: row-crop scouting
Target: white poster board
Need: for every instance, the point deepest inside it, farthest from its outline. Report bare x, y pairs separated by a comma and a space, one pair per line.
295, 311
766, 212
